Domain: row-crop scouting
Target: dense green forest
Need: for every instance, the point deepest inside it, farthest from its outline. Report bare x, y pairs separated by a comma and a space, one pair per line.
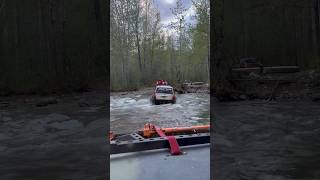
53, 45
142, 51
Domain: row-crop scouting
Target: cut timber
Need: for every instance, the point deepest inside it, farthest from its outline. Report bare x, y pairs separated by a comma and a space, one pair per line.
194, 87
266, 70
256, 70
281, 69
281, 81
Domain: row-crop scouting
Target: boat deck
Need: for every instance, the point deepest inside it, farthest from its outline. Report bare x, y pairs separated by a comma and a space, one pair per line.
160, 165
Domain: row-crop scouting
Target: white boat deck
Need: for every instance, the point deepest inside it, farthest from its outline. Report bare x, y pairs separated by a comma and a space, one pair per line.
160, 165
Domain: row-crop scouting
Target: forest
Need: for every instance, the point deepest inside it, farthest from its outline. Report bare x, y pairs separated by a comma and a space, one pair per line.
277, 33
55, 45
142, 50
51, 46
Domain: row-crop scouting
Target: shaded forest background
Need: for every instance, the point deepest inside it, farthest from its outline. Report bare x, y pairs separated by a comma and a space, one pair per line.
56, 45
282, 32
285, 32
53, 45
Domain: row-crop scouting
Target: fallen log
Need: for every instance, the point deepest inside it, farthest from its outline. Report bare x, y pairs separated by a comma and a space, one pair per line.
282, 81
268, 70
281, 69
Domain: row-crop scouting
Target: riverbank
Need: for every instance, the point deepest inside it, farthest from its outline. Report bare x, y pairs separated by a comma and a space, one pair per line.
304, 85
146, 91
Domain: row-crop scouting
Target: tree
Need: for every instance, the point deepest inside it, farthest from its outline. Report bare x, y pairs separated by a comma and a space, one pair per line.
220, 64
179, 26
201, 33
141, 51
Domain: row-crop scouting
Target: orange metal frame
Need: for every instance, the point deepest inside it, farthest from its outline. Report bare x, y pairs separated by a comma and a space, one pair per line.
150, 131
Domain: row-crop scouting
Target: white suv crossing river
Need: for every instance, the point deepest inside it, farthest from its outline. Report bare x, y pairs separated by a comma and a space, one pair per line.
163, 94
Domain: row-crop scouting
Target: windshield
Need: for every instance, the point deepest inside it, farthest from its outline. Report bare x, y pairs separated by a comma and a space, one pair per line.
164, 90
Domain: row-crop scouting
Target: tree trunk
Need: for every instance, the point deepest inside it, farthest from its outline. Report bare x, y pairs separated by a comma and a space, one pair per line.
317, 24
152, 52
138, 41
220, 64
145, 36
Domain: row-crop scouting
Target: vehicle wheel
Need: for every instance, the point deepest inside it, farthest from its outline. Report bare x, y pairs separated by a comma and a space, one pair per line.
152, 99
156, 102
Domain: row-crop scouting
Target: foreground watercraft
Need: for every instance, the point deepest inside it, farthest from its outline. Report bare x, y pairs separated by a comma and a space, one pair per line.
144, 155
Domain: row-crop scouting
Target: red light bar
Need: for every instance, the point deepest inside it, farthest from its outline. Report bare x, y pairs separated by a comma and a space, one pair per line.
161, 82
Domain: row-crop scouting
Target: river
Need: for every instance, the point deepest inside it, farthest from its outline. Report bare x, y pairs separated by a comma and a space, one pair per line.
129, 112
262, 140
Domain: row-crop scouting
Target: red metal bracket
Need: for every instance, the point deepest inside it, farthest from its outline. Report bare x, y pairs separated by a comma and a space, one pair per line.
174, 146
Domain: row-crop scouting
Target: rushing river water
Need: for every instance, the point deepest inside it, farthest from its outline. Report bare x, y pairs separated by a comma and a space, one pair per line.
66, 140
254, 140
261, 140
130, 112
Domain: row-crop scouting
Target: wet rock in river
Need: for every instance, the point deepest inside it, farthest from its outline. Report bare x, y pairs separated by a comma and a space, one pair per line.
6, 119
315, 97
221, 141
243, 97
273, 177
3, 136
4, 104
3, 148
55, 117
66, 125
83, 103
46, 102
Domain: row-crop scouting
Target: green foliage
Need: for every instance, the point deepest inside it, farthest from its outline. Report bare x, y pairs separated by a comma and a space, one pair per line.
162, 56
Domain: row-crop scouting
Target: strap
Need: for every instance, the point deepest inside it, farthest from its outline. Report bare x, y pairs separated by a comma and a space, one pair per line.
174, 146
